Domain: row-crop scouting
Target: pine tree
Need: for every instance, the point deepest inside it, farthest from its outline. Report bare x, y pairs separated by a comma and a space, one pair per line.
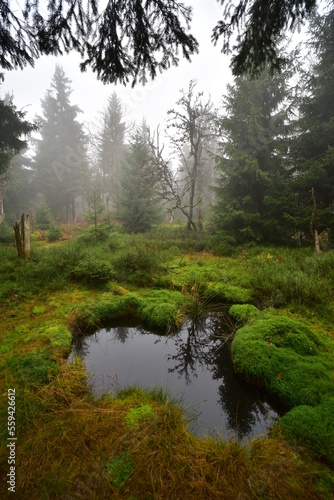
139, 207
60, 162
253, 190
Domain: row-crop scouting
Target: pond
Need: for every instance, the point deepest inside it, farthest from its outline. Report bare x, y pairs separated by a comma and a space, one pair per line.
194, 366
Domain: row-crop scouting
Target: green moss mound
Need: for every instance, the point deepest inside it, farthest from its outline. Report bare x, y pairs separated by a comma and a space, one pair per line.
286, 357
230, 293
35, 368
244, 312
93, 313
137, 415
162, 310
295, 364
313, 427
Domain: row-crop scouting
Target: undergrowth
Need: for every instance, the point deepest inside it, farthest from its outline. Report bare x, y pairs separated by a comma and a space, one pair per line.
136, 444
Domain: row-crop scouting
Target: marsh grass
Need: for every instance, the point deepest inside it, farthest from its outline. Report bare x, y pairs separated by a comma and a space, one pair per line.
281, 277
73, 445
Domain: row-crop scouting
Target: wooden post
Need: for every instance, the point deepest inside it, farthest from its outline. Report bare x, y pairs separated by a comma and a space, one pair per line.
22, 237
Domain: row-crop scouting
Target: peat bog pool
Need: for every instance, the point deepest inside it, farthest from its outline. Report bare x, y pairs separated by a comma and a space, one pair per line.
193, 365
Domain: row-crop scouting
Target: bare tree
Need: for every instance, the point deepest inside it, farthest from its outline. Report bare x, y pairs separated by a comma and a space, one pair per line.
193, 126
169, 186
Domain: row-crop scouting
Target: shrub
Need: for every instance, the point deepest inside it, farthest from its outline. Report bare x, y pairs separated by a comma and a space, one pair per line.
54, 233
6, 234
278, 280
136, 265
91, 270
43, 218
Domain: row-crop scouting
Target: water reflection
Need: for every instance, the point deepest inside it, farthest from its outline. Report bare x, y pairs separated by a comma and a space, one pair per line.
194, 365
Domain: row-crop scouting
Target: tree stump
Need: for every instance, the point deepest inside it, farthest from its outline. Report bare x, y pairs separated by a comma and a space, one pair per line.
22, 237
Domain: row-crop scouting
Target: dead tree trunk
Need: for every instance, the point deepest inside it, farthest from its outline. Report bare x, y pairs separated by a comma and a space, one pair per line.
314, 233
316, 242
22, 237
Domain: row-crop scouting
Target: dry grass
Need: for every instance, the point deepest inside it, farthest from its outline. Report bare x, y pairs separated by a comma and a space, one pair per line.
67, 439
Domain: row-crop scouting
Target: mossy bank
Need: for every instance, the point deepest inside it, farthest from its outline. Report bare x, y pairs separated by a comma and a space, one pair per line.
136, 444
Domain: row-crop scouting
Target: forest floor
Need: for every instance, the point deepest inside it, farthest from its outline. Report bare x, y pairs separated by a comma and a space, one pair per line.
136, 445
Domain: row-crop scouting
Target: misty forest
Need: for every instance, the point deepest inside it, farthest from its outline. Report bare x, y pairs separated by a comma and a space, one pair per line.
167, 292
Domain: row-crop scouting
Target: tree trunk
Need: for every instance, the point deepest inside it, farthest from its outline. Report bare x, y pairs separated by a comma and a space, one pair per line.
22, 237
18, 240
25, 230
316, 241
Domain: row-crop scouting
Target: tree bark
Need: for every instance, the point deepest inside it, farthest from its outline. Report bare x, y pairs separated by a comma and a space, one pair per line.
25, 230
316, 242
22, 237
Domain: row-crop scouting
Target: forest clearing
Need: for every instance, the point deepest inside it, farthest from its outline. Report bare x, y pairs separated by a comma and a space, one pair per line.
135, 444
166, 249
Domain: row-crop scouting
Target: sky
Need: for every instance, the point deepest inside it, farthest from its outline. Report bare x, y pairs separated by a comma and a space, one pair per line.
210, 68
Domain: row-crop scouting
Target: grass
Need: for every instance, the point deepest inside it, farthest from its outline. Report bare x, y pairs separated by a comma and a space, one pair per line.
136, 444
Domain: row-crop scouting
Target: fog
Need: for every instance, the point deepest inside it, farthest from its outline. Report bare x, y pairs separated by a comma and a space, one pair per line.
210, 68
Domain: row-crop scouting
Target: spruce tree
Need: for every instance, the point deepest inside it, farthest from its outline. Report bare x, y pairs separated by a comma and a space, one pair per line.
313, 149
18, 195
110, 143
253, 188
14, 129
43, 217
139, 207
60, 162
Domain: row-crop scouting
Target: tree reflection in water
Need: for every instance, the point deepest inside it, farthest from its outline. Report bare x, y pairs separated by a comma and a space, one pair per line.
196, 362
207, 345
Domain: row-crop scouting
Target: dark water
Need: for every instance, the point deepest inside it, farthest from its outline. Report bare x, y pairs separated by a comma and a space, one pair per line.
193, 365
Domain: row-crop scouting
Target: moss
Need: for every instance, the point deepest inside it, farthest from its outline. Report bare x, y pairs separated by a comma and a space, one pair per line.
313, 427
244, 312
120, 469
38, 310
92, 313
35, 368
163, 310
60, 335
285, 356
230, 293
136, 416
